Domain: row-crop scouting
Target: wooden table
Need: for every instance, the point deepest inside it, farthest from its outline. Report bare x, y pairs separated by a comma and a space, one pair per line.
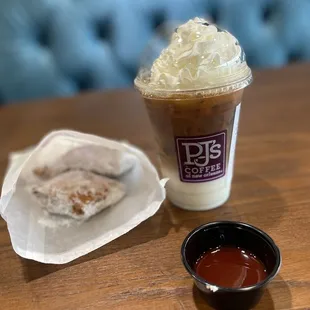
142, 270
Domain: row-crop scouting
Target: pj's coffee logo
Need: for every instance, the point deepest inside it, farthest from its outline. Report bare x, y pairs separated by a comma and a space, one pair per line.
201, 159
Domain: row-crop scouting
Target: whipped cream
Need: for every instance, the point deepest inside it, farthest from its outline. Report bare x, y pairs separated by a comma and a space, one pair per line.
199, 55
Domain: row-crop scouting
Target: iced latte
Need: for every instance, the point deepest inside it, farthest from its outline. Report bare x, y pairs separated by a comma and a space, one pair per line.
193, 93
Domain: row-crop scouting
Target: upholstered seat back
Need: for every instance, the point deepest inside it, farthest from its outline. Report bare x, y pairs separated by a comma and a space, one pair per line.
61, 47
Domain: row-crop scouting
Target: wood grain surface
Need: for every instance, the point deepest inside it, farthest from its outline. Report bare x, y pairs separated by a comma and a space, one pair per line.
143, 270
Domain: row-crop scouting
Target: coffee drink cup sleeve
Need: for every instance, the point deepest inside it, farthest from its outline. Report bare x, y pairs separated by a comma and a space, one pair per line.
36, 236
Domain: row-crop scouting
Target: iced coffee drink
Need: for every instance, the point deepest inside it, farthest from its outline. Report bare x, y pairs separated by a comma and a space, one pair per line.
193, 93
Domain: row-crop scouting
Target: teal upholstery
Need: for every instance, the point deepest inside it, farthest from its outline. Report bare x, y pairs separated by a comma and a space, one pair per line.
61, 47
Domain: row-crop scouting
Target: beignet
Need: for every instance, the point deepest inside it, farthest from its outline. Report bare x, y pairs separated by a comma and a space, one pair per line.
78, 194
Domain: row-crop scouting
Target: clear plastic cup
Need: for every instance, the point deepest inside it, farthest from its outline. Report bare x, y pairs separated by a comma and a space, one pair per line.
196, 132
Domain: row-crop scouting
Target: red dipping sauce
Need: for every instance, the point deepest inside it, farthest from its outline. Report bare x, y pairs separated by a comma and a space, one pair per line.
230, 267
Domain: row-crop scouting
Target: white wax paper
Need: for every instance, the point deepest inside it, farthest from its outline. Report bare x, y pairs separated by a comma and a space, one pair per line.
32, 239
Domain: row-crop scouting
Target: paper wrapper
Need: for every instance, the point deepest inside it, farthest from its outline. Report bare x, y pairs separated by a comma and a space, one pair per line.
38, 237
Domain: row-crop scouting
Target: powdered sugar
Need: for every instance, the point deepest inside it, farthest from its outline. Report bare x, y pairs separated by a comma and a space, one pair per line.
38, 237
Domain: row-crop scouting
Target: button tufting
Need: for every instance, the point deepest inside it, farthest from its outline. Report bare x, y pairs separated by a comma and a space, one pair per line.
294, 56
268, 12
83, 81
104, 29
43, 36
215, 14
158, 18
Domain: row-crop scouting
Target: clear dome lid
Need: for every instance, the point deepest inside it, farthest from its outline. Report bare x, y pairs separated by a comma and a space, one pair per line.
194, 57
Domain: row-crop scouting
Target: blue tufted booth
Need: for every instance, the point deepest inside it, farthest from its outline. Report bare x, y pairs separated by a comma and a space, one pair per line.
61, 47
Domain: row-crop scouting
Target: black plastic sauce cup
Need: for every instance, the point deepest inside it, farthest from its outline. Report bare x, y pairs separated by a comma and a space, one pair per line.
213, 235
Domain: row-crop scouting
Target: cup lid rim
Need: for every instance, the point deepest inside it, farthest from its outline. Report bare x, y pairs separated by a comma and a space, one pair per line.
230, 86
